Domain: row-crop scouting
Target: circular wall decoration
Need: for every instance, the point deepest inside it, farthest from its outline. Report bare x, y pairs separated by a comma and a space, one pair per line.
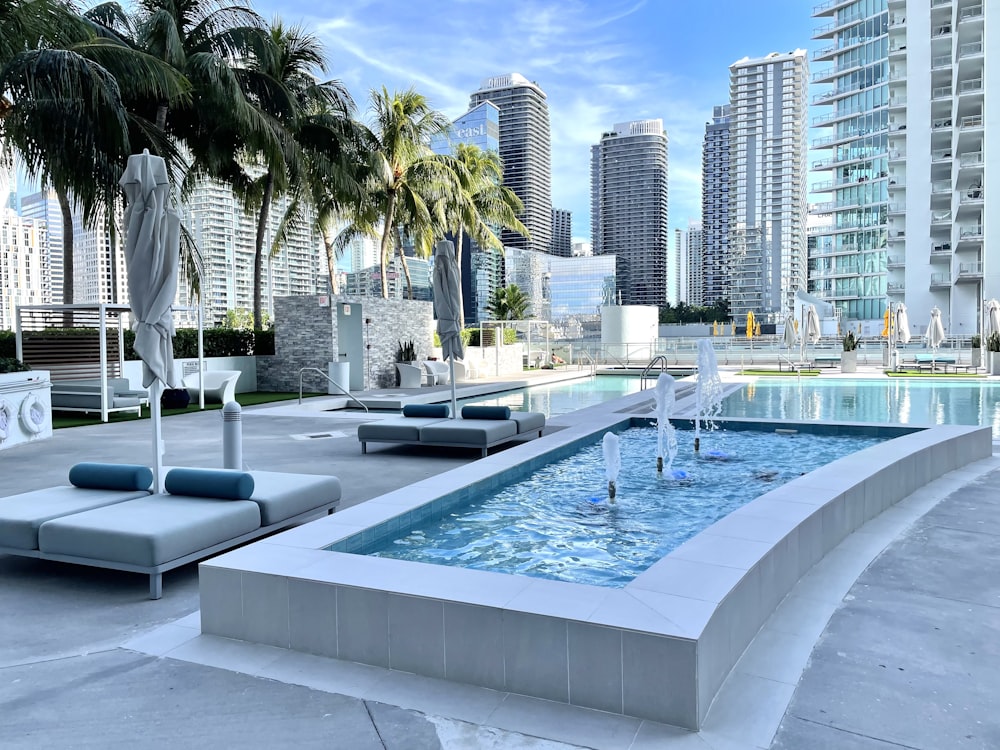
6, 419
32, 414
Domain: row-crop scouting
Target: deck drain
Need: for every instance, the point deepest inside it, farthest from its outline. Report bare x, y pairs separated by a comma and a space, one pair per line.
318, 435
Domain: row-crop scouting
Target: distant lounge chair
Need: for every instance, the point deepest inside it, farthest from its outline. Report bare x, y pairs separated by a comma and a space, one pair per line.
438, 371
220, 385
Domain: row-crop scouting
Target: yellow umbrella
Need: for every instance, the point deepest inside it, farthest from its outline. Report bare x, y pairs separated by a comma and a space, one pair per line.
756, 330
750, 324
732, 328
885, 323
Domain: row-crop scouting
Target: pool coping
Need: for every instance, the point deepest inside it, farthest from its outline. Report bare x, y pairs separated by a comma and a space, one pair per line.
657, 649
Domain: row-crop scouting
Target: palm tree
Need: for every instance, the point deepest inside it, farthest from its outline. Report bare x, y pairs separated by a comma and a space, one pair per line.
276, 74
482, 204
403, 166
65, 110
508, 303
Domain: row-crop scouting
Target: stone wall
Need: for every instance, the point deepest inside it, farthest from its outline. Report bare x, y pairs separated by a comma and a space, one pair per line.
305, 335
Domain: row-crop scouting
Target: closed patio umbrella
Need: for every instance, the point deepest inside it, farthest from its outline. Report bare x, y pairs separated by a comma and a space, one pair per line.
447, 309
790, 336
935, 333
992, 318
902, 324
811, 332
152, 248
750, 321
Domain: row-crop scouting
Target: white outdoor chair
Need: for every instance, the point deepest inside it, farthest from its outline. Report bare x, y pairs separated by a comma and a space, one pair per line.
220, 385
438, 372
410, 376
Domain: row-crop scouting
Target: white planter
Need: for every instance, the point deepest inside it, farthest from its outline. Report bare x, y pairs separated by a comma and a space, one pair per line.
977, 357
994, 362
849, 361
25, 407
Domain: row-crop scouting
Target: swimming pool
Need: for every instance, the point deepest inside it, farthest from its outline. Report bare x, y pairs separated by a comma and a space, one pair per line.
898, 400
558, 524
563, 397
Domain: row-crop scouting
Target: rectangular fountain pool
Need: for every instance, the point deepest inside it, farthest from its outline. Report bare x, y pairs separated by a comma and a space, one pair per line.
558, 524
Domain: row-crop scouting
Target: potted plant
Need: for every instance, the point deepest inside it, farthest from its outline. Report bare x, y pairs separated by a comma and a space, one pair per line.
407, 374
993, 347
977, 350
849, 357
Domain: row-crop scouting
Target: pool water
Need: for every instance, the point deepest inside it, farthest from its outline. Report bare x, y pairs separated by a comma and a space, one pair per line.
559, 524
900, 400
563, 397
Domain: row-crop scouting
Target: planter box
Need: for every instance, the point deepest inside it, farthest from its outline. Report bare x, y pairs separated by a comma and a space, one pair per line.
977, 357
849, 361
994, 363
25, 407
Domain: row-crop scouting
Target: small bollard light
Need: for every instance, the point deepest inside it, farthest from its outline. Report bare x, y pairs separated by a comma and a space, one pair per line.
232, 436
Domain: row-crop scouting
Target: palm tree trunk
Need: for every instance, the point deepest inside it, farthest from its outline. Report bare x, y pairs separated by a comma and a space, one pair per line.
258, 258
402, 260
383, 259
330, 259
67, 257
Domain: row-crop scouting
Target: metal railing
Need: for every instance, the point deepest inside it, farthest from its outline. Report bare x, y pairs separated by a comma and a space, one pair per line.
659, 358
336, 385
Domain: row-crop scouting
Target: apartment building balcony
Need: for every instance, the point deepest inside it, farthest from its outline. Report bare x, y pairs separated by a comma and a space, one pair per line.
939, 3
970, 163
941, 92
940, 62
940, 252
831, 52
897, 236
830, 30
941, 31
895, 261
940, 217
970, 87
969, 273
971, 233
897, 102
829, 8
970, 50
970, 14
897, 51
895, 288
971, 122
897, 22
896, 154
941, 187
896, 209
940, 280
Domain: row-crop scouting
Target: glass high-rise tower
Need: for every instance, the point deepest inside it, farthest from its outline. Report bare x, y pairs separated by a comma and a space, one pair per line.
710, 280
628, 180
767, 183
526, 152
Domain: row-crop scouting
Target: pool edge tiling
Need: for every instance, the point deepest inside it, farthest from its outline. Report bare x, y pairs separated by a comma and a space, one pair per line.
657, 649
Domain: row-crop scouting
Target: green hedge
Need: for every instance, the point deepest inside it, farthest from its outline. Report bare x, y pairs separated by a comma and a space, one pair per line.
219, 342
8, 345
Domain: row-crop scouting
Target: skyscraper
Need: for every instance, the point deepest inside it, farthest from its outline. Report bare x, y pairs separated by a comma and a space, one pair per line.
629, 195
847, 261
480, 126
941, 249
713, 274
689, 254
562, 232
44, 206
24, 264
526, 152
767, 178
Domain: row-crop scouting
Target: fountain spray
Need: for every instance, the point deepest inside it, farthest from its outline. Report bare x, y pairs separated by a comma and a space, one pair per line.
666, 397
708, 390
612, 462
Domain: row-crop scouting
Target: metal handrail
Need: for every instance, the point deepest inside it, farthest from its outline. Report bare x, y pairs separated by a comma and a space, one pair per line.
335, 384
590, 358
645, 371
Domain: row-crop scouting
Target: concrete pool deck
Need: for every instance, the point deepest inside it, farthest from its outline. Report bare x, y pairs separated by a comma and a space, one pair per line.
89, 661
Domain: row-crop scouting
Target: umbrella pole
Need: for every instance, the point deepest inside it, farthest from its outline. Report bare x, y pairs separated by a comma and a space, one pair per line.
155, 390
454, 396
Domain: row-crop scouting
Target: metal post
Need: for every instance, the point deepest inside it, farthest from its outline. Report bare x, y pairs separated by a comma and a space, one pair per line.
232, 436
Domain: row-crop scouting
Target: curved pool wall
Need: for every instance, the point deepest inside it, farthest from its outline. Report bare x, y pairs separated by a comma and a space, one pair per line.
657, 649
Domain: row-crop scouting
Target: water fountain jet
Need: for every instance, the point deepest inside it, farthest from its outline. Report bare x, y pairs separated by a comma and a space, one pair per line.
708, 390
666, 396
612, 462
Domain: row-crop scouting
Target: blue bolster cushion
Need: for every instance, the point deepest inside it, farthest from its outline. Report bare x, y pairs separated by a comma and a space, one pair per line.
126, 477
426, 410
485, 412
224, 484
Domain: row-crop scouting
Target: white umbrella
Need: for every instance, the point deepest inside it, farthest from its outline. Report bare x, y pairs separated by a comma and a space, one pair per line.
152, 248
902, 324
811, 332
935, 333
447, 309
992, 317
791, 337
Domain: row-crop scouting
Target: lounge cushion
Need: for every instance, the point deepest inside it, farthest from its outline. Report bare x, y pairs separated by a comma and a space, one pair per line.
402, 429
478, 432
282, 495
97, 476
485, 412
21, 515
149, 531
223, 484
528, 421
426, 410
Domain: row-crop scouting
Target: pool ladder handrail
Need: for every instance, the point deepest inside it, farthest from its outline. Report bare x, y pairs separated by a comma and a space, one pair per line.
336, 385
590, 359
646, 370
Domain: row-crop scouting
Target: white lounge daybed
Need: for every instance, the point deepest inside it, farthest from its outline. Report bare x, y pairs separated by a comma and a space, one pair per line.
220, 385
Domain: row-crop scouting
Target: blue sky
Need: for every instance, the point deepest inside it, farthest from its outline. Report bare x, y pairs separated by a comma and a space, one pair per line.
599, 62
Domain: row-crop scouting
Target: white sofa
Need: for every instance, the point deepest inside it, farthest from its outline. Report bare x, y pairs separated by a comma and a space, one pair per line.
220, 385
438, 372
